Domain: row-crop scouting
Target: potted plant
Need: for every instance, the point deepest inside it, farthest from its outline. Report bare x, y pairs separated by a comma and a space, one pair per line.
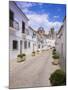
58, 78
21, 57
54, 51
56, 59
33, 53
38, 51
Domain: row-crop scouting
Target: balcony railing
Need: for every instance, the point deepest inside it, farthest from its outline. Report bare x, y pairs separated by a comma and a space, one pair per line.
14, 24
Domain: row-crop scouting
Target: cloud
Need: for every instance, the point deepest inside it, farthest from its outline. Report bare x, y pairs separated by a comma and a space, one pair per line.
36, 20
56, 16
24, 4
27, 11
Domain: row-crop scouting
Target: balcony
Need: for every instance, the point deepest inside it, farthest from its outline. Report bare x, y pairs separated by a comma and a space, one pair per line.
24, 34
34, 35
14, 24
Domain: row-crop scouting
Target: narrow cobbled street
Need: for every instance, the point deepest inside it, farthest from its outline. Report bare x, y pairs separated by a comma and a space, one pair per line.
33, 72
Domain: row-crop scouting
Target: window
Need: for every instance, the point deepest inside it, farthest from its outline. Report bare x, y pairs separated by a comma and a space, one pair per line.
25, 44
11, 15
28, 44
11, 18
23, 27
38, 46
15, 44
42, 46
34, 35
13, 23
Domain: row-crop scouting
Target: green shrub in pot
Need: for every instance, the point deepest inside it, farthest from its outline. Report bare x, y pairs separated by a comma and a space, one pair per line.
54, 49
55, 59
38, 51
58, 78
55, 56
21, 57
33, 53
53, 52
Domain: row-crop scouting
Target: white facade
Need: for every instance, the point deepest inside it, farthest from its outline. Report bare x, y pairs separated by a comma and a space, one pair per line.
22, 38
20, 42
15, 29
50, 42
45, 41
30, 38
61, 45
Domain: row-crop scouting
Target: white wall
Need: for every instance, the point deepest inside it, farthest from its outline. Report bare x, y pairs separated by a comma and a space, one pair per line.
13, 33
63, 59
19, 17
61, 46
14, 53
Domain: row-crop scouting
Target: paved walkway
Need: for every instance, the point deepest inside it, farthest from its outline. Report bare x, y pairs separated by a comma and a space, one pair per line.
34, 72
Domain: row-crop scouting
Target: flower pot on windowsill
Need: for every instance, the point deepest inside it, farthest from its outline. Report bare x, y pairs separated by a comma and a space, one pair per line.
21, 57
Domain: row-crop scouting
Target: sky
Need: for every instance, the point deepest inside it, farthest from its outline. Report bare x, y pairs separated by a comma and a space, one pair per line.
43, 14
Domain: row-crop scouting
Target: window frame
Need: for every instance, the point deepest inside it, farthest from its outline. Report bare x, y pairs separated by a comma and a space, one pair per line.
23, 27
29, 44
16, 45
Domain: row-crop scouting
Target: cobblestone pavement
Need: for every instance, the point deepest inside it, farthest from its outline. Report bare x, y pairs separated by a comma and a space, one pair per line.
34, 72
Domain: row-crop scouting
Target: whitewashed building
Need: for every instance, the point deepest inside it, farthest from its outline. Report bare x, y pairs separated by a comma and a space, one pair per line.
50, 40
61, 44
17, 26
22, 38
45, 41
41, 38
31, 39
